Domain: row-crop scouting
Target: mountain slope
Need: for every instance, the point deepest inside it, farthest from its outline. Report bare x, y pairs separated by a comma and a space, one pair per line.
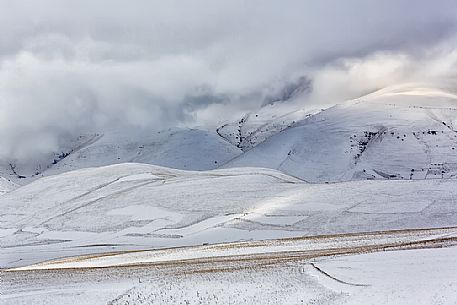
395, 133
405, 132
191, 149
254, 128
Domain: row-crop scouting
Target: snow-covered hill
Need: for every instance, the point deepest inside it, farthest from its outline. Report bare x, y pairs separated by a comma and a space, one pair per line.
191, 149
406, 132
130, 206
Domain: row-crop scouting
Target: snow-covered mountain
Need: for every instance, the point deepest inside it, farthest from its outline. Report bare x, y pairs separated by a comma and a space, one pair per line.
254, 128
406, 132
181, 148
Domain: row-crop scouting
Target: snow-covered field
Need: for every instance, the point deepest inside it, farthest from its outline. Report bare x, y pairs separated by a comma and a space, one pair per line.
420, 276
137, 206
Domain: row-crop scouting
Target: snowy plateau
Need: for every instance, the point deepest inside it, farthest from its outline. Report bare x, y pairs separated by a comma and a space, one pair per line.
352, 204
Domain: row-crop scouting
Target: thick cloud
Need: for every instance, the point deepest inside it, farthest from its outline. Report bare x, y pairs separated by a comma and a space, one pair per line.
68, 67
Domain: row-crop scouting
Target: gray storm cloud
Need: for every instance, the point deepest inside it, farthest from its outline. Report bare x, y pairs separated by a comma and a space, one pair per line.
68, 67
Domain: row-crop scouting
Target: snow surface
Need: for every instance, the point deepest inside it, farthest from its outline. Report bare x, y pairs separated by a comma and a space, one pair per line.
6, 186
298, 247
425, 276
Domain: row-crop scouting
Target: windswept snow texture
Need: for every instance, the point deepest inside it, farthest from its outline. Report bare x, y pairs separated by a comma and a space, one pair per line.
404, 133
134, 206
190, 149
6, 186
413, 277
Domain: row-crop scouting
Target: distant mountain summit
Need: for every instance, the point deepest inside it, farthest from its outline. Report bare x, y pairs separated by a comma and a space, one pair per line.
404, 132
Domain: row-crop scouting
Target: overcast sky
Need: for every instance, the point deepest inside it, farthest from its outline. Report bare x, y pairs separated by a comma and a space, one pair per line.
68, 67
